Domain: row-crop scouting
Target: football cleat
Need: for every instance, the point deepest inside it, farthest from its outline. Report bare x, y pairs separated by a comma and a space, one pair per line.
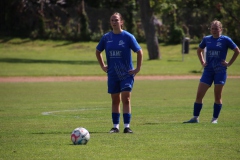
214, 121
114, 130
127, 130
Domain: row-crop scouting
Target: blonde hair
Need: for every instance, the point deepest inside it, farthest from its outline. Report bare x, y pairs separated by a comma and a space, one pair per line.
217, 23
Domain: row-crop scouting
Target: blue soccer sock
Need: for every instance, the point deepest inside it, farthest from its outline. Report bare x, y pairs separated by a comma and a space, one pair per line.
197, 109
116, 119
216, 110
126, 119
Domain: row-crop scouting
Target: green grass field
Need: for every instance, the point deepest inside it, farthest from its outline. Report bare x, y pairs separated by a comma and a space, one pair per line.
37, 118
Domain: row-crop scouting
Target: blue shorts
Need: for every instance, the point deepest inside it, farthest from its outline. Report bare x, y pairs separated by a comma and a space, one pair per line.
217, 78
117, 86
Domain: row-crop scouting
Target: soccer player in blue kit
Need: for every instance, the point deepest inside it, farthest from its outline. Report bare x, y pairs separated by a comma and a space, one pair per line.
215, 69
118, 44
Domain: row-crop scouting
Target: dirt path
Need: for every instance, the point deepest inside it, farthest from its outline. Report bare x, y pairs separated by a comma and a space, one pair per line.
93, 78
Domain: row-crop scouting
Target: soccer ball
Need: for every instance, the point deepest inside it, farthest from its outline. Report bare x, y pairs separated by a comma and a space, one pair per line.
80, 136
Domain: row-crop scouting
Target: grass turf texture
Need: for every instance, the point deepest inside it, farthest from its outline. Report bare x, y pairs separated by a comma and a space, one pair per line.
38, 118
22, 57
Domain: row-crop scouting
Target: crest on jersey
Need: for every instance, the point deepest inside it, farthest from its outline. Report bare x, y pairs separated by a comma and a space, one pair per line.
121, 43
219, 44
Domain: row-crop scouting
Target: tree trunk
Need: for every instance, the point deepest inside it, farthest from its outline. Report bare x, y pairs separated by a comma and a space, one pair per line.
147, 18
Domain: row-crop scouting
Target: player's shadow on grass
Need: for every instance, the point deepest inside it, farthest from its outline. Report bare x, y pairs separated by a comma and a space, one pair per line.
56, 132
52, 132
98, 132
30, 61
151, 123
174, 60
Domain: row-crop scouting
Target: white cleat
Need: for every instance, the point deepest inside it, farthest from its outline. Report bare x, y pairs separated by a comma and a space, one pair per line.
214, 121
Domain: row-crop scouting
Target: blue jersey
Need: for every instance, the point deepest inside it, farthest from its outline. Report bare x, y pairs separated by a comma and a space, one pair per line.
216, 52
118, 53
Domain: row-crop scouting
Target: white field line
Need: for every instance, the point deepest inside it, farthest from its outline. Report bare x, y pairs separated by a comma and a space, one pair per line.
71, 110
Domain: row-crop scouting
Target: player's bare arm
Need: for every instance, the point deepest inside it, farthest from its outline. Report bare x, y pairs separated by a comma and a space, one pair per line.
101, 61
234, 57
139, 63
200, 56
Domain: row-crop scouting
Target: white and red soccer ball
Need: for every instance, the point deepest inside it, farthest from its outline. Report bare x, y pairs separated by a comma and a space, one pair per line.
80, 136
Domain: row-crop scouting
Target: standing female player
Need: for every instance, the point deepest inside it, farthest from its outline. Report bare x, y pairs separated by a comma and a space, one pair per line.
118, 44
215, 69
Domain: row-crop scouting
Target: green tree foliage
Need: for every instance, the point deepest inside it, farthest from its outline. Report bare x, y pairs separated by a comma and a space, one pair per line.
230, 18
169, 14
127, 8
195, 16
60, 19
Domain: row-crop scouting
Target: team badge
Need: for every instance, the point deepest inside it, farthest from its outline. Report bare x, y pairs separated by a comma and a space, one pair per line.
121, 43
219, 44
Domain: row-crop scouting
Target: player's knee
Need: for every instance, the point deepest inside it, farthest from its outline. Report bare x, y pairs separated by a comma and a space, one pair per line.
126, 100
